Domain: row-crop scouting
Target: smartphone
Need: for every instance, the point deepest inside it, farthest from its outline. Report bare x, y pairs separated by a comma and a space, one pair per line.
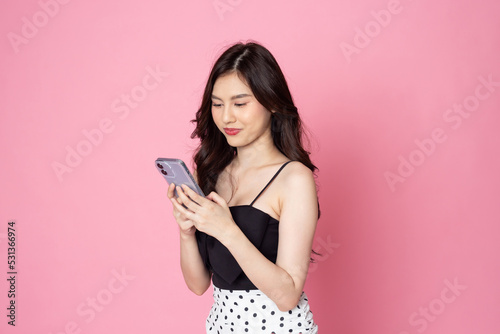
176, 172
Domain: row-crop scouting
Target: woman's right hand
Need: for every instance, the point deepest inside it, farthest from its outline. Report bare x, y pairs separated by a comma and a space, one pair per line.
195, 273
186, 226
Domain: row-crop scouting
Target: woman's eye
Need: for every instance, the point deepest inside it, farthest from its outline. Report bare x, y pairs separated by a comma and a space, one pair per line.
217, 105
240, 104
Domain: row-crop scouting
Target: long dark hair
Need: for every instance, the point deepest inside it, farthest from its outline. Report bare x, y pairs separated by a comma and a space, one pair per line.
259, 69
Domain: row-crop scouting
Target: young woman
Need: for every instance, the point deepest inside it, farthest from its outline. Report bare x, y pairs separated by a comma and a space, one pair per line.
252, 234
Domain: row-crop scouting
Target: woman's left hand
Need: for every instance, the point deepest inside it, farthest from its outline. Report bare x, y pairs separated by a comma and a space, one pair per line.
209, 214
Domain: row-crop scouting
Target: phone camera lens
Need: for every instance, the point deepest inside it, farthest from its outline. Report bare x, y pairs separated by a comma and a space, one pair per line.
164, 172
159, 165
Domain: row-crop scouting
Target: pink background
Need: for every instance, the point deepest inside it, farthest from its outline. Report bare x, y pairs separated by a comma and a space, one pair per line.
376, 83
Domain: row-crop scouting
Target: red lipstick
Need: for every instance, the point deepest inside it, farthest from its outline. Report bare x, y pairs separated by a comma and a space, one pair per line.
231, 131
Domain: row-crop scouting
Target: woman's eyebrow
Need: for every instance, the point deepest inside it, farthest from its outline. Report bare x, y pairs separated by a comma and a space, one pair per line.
233, 97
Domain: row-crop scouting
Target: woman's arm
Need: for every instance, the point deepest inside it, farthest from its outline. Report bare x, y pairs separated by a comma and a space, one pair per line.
196, 275
284, 281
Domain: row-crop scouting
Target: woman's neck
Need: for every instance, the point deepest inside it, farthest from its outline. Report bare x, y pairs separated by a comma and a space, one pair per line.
256, 156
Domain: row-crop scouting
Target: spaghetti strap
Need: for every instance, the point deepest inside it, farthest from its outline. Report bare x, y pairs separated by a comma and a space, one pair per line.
270, 181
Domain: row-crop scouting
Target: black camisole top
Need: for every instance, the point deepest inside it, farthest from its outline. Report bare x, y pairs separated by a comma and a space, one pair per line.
262, 231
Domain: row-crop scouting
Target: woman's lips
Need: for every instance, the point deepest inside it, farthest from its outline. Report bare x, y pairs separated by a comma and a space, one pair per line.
231, 131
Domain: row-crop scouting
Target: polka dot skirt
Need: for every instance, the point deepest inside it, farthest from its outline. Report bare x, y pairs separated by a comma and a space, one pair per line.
251, 311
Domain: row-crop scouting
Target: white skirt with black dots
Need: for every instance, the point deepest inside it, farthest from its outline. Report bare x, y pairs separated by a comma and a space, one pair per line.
251, 311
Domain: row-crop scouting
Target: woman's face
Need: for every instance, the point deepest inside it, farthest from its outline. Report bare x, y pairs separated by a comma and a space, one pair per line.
238, 114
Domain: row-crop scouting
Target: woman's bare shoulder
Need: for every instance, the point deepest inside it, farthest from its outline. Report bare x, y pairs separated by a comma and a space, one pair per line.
296, 171
297, 181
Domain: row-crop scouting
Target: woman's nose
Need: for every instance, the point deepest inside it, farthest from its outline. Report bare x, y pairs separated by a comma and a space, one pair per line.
228, 115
